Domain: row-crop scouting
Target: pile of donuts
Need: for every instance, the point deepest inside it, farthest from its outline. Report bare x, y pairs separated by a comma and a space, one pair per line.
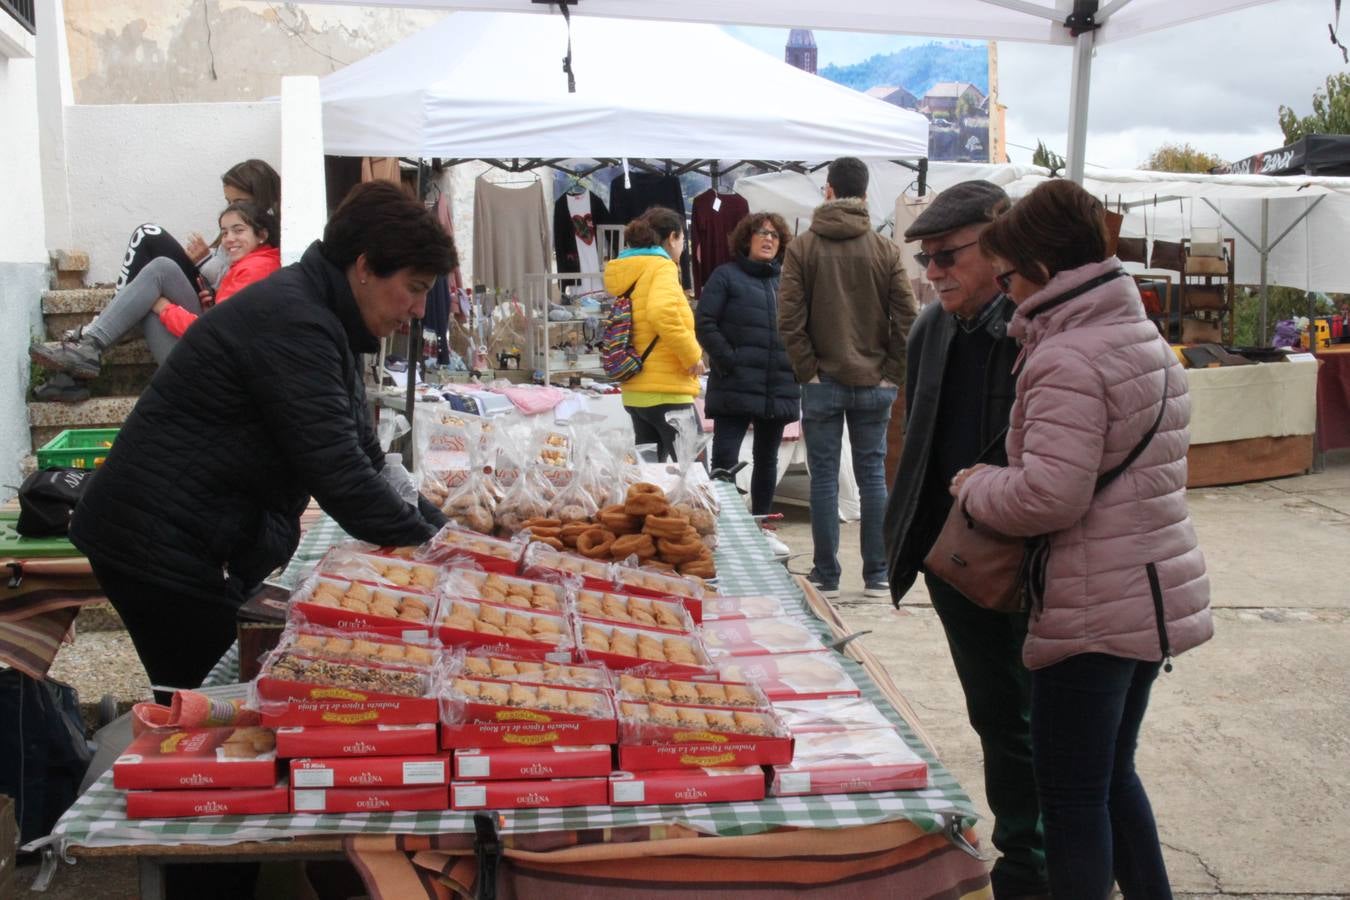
664, 537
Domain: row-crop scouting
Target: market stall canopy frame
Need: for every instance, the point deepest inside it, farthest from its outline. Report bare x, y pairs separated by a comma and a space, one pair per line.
481, 84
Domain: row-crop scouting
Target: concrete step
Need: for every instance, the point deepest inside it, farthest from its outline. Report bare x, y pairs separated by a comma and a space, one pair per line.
47, 420
78, 300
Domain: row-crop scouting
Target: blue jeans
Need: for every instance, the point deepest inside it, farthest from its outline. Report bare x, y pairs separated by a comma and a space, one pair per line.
1099, 827
825, 408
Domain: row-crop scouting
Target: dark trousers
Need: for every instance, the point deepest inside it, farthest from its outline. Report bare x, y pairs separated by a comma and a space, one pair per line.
650, 427
179, 639
729, 432
986, 649
153, 242
1099, 827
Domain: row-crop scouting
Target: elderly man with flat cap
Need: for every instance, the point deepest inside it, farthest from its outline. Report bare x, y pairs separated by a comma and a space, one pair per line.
959, 389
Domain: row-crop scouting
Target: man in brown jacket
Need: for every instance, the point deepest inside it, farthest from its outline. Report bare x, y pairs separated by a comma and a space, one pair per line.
844, 311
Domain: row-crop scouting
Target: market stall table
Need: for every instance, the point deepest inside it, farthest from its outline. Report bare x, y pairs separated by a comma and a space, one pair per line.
1250, 423
940, 815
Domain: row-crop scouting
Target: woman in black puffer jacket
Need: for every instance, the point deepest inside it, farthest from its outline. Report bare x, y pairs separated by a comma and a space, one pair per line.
751, 383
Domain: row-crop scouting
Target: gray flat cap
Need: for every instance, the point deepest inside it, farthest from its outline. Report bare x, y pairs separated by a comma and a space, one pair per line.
962, 204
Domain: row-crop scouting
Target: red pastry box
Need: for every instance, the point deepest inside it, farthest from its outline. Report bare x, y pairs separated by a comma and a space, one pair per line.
356, 740
477, 663
491, 553
468, 702
368, 799
198, 758
717, 607
542, 561
835, 714
649, 583
362, 562
507, 763
643, 612
843, 762
295, 688
723, 785
370, 771
666, 736
750, 637
658, 651
791, 675
494, 587
525, 633
262, 801
700, 691
529, 794
357, 606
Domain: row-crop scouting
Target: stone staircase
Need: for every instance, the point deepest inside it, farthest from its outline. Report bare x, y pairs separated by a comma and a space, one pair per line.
127, 367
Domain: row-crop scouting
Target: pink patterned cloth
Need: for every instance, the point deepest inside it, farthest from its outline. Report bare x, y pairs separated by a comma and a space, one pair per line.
533, 399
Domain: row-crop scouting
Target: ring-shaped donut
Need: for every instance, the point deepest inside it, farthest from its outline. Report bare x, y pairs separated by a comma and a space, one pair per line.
595, 543
679, 551
614, 519
701, 568
550, 541
639, 545
667, 526
573, 530
645, 505
541, 532
542, 522
645, 487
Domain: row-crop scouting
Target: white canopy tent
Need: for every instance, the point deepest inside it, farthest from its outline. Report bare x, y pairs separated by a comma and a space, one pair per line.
490, 85
1083, 23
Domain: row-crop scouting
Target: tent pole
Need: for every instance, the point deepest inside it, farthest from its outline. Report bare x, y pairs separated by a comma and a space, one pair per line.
1265, 260
1078, 104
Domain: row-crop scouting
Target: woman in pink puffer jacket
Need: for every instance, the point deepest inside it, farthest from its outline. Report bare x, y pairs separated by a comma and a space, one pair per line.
1125, 584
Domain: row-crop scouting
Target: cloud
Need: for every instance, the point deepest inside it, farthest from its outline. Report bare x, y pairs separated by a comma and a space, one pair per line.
1220, 81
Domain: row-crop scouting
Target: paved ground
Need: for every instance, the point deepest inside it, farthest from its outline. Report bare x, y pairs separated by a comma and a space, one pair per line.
1246, 748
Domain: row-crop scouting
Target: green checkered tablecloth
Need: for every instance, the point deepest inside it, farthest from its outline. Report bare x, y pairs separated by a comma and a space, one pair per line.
745, 566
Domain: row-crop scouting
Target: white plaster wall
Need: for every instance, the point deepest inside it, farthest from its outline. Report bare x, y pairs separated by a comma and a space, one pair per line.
23, 255
157, 163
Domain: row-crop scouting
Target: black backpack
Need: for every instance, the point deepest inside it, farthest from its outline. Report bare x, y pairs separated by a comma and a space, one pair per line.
47, 499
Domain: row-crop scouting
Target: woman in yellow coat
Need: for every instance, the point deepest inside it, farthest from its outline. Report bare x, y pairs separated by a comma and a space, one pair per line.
668, 381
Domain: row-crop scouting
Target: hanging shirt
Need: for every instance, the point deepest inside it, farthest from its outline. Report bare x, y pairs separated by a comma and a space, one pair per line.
576, 245
715, 217
648, 190
510, 235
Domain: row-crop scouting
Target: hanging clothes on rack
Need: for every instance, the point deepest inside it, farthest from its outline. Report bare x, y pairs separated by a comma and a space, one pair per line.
715, 217
510, 234
575, 245
648, 190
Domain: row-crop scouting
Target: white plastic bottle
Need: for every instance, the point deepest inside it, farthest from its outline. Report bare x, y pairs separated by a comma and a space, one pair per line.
400, 478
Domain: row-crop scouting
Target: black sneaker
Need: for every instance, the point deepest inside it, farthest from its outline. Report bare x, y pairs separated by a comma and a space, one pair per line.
80, 359
60, 388
877, 589
828, 590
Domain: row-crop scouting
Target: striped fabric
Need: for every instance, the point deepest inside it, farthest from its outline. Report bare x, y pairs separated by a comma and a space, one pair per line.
37, 615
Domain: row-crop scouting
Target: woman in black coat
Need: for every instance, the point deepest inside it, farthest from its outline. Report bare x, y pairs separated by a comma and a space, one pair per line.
258, 408
751, 383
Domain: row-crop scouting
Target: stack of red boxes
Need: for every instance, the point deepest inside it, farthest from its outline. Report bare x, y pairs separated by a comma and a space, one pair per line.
844, 745
169, 773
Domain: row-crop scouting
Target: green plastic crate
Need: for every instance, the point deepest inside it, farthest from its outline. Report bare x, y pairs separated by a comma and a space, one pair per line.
77, 448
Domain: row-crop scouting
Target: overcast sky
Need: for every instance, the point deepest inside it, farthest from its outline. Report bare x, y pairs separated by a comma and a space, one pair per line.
1216, 84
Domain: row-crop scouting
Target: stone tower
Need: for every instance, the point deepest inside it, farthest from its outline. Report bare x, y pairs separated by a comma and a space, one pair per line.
801, 50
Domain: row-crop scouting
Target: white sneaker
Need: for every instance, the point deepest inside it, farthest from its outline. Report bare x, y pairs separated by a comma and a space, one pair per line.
780, 550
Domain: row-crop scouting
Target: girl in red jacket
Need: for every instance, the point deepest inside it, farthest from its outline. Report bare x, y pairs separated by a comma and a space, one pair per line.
163, 303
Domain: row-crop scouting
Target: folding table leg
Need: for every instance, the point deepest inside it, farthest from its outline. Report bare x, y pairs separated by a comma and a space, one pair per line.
152, 878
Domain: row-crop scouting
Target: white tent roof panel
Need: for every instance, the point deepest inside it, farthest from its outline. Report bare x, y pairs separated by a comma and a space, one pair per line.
1037, 21
492, 85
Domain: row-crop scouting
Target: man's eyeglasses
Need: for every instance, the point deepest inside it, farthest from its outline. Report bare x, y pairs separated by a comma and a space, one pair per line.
765, 233
1005, 280
945, 259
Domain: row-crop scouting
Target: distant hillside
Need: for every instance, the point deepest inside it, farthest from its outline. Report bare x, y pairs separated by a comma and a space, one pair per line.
917, 68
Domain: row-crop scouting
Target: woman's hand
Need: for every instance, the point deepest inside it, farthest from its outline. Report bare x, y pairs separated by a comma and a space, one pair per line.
161, 304
960, 478
196, 248
697, 369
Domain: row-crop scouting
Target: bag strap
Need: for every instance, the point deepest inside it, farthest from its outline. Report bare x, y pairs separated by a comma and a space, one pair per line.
1115, 471
628, 295
1075, 292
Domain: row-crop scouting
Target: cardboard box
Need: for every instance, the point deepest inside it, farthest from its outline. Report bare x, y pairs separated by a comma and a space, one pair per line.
350, 800
706, 750
273, 800
598, 639
356, 740
542, 561
786, 675
640, 612
722, 785
754, 637
538, 635
529, 734
370, 771
492, 554
198, 758
377, 569
529, 794
834, 714
844, 762
515, 763
320, 611
283, 701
